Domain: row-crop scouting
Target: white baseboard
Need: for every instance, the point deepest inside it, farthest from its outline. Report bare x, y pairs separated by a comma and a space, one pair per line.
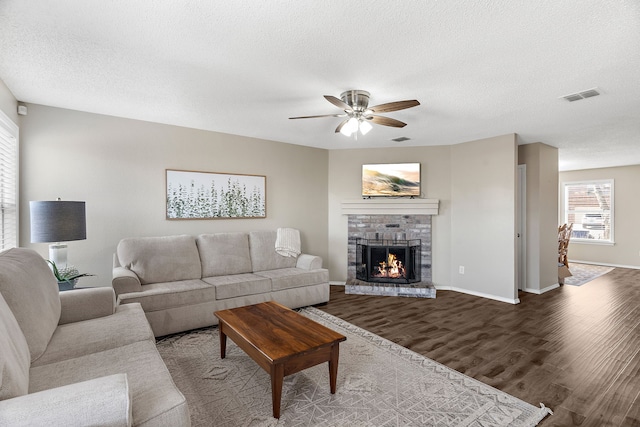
478, 294
606, 264
543, 290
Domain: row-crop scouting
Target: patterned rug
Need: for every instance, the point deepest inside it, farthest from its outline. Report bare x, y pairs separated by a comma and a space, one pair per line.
583, 273
379, 384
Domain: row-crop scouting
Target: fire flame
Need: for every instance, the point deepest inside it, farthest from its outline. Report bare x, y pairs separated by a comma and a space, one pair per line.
391, 268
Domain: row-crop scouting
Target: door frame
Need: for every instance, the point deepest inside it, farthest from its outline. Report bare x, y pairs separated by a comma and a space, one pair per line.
521, 227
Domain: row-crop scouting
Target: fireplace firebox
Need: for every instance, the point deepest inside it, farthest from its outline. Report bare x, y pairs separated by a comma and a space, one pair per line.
388, 261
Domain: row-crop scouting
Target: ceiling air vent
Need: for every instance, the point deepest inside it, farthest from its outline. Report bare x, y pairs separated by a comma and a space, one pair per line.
581, 95
401, 139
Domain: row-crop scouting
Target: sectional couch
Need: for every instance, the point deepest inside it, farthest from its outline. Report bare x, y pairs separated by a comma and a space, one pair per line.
75, 358
181, 280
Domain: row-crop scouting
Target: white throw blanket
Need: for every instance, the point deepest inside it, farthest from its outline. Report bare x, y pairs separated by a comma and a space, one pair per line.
288, 242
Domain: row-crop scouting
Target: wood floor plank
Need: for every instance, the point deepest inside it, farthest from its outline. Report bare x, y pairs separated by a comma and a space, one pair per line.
632, 417
619, 397
575, 349
590, 394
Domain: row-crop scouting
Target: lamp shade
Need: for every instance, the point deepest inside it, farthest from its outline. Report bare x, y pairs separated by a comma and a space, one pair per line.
365, 127
57, 221
350, 127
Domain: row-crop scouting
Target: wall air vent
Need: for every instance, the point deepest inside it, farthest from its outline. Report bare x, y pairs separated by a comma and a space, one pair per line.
581, 95
401, 139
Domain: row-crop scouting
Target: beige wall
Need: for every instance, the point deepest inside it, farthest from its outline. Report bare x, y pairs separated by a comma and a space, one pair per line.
626, 250
8, 103
483, 194
345, 182
541, 232
475, 184
118, 167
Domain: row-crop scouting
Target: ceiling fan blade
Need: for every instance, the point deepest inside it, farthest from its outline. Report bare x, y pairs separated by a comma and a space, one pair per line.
322, 115
394, 106
338, 103
386, 121
344, 122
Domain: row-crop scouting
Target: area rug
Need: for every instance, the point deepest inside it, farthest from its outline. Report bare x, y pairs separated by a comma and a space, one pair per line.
583, 273
379, 384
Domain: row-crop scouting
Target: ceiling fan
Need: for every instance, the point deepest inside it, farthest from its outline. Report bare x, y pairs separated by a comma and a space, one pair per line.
355, 104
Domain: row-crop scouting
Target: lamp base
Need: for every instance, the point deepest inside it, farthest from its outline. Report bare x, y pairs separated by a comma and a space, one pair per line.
58, 254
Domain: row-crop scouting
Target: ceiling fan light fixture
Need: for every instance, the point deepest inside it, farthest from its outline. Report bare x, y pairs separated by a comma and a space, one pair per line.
350, 127
359, 116
365, 127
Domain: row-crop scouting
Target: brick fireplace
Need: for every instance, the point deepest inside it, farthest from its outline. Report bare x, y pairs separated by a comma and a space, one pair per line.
396, 223
391, 228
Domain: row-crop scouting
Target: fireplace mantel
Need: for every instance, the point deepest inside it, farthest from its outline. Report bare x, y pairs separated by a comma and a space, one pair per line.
390, 207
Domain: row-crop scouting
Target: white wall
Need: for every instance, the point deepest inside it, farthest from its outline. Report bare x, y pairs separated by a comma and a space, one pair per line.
483, 194
118, 167
626, 250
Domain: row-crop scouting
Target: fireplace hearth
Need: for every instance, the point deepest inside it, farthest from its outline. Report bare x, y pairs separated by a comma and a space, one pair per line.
388, 261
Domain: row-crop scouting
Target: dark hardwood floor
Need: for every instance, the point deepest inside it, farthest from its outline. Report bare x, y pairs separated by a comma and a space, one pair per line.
575, 349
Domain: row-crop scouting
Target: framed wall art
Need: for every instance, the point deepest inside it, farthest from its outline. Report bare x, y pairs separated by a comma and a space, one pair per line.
213, 195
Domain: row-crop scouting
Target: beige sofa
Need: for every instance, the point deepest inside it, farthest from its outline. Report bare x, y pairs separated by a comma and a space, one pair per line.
181, 280
75, 358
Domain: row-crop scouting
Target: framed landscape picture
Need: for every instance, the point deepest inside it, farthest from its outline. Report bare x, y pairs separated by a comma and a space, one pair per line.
213, 195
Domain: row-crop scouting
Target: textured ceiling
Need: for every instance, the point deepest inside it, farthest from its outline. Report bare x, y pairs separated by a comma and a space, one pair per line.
479, 68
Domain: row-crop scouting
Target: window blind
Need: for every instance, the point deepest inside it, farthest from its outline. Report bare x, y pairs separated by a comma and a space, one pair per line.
8, 183
588, 205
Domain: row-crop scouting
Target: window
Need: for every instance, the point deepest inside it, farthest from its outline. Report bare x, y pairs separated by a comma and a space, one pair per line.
8, 183
588, 205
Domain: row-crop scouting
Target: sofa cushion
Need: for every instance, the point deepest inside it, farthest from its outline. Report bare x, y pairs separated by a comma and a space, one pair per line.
224, 253
127, 325
162, 296
14, 356
31, 292
160, 259
103, 402
87, 303
239, 285
287, 278
156, 400
262, 245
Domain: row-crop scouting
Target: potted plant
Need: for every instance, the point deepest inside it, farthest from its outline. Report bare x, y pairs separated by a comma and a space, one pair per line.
67, 277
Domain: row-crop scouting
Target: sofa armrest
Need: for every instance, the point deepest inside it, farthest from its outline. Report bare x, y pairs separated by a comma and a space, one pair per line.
85, 304
309, 262
125, 281
104, 402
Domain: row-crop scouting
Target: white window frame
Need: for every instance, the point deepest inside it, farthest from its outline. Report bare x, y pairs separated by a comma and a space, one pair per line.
9, 132
565, 214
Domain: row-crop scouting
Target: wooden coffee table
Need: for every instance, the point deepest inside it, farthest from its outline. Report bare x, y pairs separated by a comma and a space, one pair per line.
281, 341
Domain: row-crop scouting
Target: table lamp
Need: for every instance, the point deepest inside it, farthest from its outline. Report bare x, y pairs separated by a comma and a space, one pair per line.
56, 222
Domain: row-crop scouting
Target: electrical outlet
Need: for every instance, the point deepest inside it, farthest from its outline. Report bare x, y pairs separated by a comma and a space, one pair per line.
461, 269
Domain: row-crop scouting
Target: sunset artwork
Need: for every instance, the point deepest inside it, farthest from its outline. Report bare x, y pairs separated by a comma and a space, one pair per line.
391, 180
